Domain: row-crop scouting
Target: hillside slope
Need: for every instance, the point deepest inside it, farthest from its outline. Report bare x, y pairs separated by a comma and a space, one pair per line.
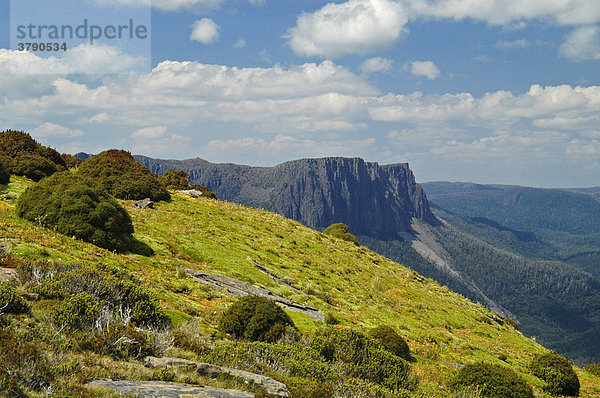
360, 288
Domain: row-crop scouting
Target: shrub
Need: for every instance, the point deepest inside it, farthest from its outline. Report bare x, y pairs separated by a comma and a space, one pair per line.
175, 179
119, 341
75, 206
594, 369
123, 177
22, 155
391, 341
10, 301
492, 381
207, 193
104, 291
4, 176
254, 318
340, 231
363, 356
71, 161
79, 311
557, 372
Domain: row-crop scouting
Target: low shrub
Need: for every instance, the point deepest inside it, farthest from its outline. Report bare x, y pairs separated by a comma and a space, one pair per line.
79, 311
207, 193
175, 179
492, 381
118, 341
391, 340
10, 301
119, 174
254, 318
557, 372
363, 356
594, 369
116, 294
22, 155
71, 161
340, 231
4, 175
77, 207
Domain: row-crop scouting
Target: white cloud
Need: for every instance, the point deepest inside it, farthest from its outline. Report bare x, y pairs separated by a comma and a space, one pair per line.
166, 5
356, 26
579, 147
515, 44
284, 147
241, 43
205, 31
376, 64
582, 44
150, 132
55, 130
89, 59
426, 69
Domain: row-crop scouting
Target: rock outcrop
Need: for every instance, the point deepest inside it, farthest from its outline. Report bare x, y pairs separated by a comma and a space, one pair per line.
165, 390
371, 199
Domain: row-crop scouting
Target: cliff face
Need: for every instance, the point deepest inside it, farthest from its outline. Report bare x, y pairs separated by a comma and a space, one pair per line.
371, 199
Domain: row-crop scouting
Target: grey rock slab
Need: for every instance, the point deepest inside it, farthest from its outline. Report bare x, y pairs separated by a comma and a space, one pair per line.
272, 386
161, 389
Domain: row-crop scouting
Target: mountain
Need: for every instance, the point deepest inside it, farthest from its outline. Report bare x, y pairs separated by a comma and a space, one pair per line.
357, 288
470, 246
371, 199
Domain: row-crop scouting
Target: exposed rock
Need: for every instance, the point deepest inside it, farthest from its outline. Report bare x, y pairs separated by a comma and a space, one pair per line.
194, 193
6, 274
272, 386
166, 390
238, 288
144, 204
371, 199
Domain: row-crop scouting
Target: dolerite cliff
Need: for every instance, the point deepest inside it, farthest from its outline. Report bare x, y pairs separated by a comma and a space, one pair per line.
371, 199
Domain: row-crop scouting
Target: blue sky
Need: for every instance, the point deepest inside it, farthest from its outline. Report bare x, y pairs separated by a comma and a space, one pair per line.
497, 91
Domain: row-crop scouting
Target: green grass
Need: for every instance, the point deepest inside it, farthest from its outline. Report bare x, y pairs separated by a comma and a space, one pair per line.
361, 288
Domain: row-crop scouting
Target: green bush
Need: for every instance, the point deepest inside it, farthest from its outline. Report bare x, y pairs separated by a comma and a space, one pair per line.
77, 207
118, 341
10, 301
123, 177
391, 340
254, 318
79, 311
4, 175
594, 369
102, 289
363, 356
492, 381
207, 193
175, 179
22, 155
71, 161
557, 372
340, 231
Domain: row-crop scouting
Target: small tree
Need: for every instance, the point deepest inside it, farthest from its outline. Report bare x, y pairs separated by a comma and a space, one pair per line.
340, 231
77, 207
4, 176
254, 318
391, 341
119, 174
557, 372
492, 381
175, 179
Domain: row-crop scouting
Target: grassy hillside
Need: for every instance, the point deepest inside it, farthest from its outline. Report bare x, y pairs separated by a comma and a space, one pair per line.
359, 288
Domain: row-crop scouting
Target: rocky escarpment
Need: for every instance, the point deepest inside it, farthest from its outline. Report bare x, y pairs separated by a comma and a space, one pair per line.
371, 199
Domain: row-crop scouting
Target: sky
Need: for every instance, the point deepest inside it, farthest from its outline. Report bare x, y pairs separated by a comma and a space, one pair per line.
489, 91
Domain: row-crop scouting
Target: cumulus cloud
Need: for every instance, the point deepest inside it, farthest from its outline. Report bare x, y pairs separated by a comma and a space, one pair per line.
356, 26
150, 132
89, 59
376, 64
55, 130
284, 147
205, 31
582, 44
426, 69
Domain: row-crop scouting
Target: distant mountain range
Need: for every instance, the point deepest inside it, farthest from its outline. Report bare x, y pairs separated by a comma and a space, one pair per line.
529, 254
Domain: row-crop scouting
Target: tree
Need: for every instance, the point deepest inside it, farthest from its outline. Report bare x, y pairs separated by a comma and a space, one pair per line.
340, 231
118, 173
256, 319
76, 206
4, 176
